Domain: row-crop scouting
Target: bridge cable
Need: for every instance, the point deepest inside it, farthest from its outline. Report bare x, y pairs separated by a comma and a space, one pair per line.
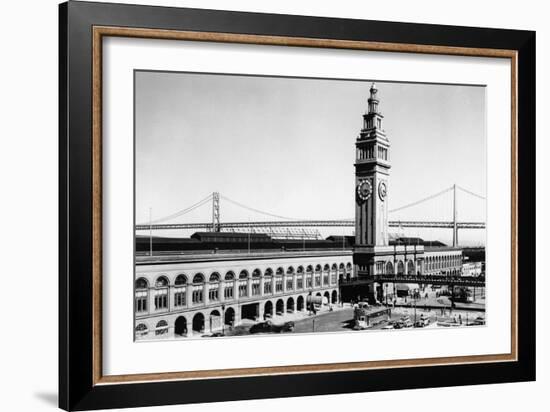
421, 200
471, 193
256, 210
180, 212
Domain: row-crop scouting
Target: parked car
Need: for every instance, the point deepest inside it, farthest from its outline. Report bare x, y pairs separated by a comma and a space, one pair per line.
408, 324
269, 327
422, 322
262, 327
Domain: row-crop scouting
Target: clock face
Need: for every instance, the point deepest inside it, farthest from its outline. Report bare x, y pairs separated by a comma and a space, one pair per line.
382, 190
364, 189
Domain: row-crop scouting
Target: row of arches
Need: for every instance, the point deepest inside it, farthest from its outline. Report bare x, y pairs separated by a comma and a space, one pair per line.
200, 278
198, 321
399, 268
442, 262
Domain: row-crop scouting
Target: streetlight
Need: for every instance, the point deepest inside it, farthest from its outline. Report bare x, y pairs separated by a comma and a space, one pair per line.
386, 287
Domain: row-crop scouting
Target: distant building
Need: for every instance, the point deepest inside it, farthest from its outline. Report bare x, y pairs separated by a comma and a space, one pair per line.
472, 269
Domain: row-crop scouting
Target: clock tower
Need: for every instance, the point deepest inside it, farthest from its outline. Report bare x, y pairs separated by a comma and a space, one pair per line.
372, 169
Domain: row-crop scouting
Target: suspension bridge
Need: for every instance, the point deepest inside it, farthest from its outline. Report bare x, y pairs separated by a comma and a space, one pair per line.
287, 226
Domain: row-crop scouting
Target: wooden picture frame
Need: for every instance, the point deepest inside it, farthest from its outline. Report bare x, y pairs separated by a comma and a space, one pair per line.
82, 385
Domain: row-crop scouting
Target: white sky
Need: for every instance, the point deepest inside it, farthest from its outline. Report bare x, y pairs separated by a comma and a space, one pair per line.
286, 146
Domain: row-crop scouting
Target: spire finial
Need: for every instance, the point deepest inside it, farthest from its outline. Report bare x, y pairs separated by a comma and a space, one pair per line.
373, 88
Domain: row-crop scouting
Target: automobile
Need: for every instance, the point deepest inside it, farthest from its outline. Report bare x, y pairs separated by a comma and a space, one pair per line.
398, 325
408, 324
262, 327
269, 327
388, 326
422, 322
480, 320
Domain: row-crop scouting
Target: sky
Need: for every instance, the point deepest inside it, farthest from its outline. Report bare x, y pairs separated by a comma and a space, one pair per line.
287, 146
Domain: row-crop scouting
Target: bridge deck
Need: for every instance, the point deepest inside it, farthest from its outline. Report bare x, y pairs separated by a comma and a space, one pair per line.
309, 223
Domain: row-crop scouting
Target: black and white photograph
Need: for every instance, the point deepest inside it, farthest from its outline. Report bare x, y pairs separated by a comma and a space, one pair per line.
285, 205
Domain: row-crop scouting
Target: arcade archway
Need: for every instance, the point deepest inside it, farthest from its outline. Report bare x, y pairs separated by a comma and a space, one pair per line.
180, 327
198, 323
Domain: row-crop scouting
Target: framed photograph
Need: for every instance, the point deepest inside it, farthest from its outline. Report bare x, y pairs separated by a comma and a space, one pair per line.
256, 205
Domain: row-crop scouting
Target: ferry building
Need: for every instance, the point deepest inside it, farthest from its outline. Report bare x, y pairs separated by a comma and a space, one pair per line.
214, 281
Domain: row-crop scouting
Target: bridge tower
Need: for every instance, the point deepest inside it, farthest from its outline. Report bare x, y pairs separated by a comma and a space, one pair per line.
215, 212
372, 168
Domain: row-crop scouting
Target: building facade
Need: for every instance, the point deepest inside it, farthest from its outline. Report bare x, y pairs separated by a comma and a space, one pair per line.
185, 296
472, 269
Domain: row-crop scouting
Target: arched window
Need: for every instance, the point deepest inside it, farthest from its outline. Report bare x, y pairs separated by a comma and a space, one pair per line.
141, 330
243, 283
279, 279
317, 276
228, 289
142, 283
161, 293
198, 278
162, 328
410, 267
300, 277
290, 278
309, 276
326, 271
179, 291
268, 281
142, 295
161, 282
213, 287
197, 288
389, 268
334, 274
256, 282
